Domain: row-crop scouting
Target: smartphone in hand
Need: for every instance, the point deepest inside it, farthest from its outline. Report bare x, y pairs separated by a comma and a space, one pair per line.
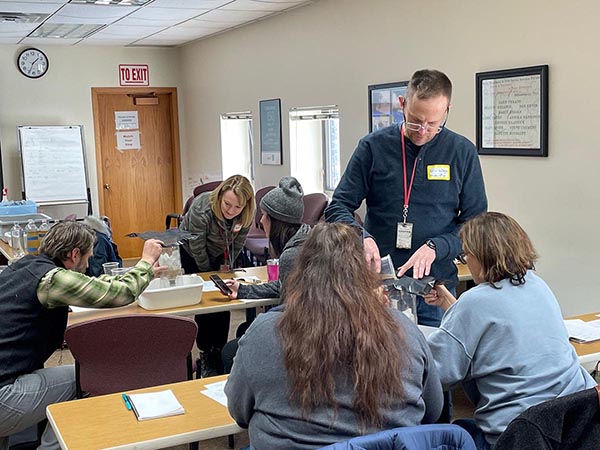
219, 283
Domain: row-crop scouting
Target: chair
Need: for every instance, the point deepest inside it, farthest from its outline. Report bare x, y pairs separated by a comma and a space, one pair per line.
257, 243
314, 205
206, 187
571, 422
128, 352
422, 437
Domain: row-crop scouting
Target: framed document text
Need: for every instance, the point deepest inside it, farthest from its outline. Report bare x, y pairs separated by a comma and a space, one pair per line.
512, 112
270, 132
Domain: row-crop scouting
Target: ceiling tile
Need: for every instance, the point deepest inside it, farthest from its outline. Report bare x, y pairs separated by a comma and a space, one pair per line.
173, 15
16, 29
49, 41
24, 7
226, 16
91, 14
188, 4
123, 31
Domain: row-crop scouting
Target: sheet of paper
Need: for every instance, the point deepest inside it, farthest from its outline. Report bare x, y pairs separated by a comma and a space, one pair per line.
209, 286
155, 404
581, 331
218, 386
216, 391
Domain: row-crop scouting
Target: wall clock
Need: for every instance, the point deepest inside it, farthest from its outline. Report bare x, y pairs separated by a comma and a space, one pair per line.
33, 63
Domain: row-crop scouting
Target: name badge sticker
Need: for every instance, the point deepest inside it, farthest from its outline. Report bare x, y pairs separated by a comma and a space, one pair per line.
438, 172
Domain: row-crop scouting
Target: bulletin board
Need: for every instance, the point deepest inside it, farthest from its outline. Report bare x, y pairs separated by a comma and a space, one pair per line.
53, 166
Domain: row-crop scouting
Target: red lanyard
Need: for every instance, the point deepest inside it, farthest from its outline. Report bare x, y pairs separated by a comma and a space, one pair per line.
407, 189
226, 251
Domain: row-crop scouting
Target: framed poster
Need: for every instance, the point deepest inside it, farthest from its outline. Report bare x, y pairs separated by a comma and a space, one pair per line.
384, 108
270, 132
512, 112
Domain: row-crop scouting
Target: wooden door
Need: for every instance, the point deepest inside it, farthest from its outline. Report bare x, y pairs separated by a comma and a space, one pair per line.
137, 188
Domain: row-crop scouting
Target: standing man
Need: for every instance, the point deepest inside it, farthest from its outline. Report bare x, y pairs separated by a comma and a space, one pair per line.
34, 294
421, 182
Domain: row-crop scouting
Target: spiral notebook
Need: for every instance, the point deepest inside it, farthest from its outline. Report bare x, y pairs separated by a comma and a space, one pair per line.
155, 404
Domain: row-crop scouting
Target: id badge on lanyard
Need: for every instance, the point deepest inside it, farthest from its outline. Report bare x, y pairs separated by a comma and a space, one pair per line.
404, 235
404, 230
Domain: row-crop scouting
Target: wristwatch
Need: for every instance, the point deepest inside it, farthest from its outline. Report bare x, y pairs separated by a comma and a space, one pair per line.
429, 243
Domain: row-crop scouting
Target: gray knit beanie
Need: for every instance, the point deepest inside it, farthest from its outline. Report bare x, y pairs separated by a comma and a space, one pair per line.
284, 203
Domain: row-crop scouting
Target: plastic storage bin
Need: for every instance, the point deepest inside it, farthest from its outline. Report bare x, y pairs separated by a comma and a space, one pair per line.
157, 297
24, 207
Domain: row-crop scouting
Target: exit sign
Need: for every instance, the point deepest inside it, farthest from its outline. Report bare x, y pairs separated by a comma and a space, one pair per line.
134, 75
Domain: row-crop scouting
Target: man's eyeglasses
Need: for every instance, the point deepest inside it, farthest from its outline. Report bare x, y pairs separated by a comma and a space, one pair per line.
412, 126
462, 258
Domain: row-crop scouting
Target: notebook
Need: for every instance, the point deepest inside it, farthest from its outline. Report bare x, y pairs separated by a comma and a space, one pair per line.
155, 404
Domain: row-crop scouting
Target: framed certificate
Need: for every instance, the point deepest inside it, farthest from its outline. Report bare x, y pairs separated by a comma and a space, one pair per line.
512, 112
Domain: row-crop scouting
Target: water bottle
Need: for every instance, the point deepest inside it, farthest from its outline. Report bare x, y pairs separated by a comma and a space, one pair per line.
42, 230
33, 241
16, 233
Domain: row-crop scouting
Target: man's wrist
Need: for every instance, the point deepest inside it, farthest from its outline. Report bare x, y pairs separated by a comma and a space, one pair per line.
429, 243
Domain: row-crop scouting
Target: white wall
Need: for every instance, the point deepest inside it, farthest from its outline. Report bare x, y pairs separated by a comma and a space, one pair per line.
63, 96
328, 52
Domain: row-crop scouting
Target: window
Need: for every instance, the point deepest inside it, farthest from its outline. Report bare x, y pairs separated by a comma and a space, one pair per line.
315, 147
237, 145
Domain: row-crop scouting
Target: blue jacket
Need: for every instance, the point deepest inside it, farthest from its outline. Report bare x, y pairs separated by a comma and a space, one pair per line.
423, 437
437, 207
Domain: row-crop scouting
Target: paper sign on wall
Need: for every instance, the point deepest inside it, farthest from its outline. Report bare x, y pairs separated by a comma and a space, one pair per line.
128, 140
126, 120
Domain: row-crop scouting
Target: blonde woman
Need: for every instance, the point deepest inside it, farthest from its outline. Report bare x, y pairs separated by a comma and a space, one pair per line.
504, 339
220, 220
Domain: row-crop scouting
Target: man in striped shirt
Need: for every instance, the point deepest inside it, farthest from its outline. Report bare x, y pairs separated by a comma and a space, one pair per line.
34, 296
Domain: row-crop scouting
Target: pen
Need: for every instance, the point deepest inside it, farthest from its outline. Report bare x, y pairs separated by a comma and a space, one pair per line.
126, 400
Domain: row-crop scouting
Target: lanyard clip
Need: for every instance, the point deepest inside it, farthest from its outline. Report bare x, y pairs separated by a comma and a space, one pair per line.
404, 213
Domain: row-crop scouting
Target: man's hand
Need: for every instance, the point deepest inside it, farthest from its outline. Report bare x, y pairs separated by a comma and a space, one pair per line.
152, 250
420, 261
440, 296
234, 286
372, 254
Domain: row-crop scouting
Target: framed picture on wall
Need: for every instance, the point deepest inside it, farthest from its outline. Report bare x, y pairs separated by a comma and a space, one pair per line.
384, 108
270, 132
512, 111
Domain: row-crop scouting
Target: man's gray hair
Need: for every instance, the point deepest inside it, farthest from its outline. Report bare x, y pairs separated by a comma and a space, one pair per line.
63, 237
428, 83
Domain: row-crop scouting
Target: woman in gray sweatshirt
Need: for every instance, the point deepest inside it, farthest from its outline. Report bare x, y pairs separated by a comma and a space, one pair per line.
335, 361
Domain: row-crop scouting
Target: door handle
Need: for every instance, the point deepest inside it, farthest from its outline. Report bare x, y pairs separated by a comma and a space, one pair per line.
107, 187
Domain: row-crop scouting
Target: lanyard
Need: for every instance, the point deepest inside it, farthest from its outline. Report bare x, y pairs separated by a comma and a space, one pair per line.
407, 189
226, 251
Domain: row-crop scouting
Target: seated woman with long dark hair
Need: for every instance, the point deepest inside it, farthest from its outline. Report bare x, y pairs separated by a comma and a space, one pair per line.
504, 339
336, 362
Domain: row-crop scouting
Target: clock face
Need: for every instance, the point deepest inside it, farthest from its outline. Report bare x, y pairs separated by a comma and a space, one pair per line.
33, 63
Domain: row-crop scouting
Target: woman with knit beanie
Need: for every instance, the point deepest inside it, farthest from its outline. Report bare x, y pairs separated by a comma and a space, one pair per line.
282, 210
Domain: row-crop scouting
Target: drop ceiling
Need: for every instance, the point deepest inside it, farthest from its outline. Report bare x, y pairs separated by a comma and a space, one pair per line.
128, 23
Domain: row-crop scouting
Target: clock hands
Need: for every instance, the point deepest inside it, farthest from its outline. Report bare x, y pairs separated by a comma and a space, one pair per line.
32, 64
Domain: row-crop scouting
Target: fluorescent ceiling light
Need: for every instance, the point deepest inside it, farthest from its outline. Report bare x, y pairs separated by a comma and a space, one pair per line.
64, 31
22, 17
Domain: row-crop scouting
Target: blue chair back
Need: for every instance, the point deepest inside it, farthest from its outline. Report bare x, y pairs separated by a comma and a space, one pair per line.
422, 437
